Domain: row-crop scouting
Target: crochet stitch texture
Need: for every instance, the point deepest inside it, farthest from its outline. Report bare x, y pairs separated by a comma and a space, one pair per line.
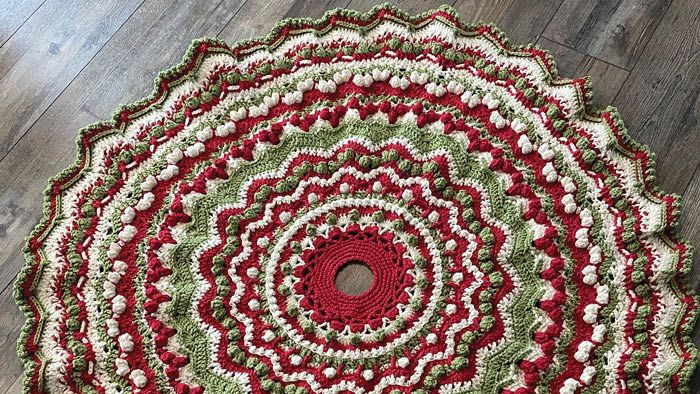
516, 236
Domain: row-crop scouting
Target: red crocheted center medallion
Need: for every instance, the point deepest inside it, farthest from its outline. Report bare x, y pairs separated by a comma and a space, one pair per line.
382, 257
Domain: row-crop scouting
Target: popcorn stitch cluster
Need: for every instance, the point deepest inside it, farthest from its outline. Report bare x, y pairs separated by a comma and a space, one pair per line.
516, 236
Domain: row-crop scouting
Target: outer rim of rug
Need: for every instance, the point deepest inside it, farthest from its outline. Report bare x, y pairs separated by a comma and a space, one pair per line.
173, 76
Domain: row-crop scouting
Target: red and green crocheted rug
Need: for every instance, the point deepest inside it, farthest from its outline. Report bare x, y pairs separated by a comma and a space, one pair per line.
516, 237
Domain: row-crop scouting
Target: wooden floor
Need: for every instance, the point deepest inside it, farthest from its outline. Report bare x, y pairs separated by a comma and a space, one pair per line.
67, 63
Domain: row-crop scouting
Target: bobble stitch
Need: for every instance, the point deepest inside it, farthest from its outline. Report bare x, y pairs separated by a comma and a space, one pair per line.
590, 313
588, 374
518, 126
602, 294
237, 115
329, 372
126, 343
139, 378
545, 152
583, 352
524, 144
254, 305
589, 275
570, 386
342, 77
598, 333
252, 272
305, 85
145, 202
205, 134
418, 78
149, 183
399, 83
586, 218
128, 215
112, 327
295, 359
292, 98
582, 238
497, 120
402, 362
569, 203
122, 367
380, 75
118, 304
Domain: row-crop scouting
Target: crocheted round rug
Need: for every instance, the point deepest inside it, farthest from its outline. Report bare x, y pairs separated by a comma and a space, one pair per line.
515, 237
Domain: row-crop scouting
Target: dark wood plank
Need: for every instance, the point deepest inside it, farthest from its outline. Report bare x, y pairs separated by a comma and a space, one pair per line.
49, 143
690, 223
659, 101
13, 14
16, 387
260, 17
257, 17
482, 10
354, 278
413, 7
145, 39
47, 52
11, 320
313, 9
525, 20
614, 31
160, 46
121, 73
606, 78
522, 21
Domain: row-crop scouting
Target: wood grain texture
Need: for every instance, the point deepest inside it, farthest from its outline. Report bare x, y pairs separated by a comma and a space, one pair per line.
47, 52
67, 63
690, 223
313, 9
16, 387
614, 31
11, 320
606, 78
13, 14
255, 18
489, 11
659, 102
524, 21
354, 278
412, 6
114, 76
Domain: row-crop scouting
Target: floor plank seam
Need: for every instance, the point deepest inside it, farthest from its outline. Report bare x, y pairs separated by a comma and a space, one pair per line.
22, 24
653, 33
544, 28
582, 53
231, 18
69, 83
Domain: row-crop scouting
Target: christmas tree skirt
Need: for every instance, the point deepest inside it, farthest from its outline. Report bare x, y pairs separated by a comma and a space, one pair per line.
515, 237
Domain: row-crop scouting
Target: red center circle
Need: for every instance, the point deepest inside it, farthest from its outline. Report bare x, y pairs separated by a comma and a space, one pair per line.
381, 255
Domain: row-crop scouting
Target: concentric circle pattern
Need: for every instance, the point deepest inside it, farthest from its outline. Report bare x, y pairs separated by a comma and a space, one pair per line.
515, 236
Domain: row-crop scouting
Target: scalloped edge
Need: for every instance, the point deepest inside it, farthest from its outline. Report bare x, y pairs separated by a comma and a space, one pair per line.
27, 277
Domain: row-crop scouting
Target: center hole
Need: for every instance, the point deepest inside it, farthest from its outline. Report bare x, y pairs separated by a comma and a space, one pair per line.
354, 278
